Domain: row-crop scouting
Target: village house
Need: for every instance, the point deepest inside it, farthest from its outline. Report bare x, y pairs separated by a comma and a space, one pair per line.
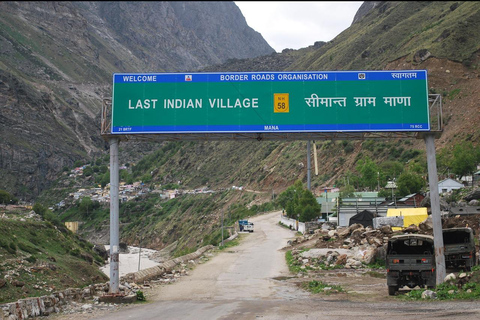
448, 185
412, 200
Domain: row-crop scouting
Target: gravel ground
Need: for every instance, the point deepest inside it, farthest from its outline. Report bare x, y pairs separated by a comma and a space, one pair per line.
252, 281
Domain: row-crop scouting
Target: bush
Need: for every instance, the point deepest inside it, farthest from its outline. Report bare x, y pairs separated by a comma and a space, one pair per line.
141, 296
39, 209
75, 252
12, 248
25, 247
7, 198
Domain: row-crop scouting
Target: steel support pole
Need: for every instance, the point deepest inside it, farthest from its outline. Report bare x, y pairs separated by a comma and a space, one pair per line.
435, 207
114, 217
222, 228
315, 160
309, 162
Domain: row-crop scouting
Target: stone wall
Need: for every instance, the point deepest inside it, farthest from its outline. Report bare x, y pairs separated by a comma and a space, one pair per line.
154, 272
46, 305
292, 223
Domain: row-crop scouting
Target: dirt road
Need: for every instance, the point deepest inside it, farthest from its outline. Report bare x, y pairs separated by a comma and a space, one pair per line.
251, 281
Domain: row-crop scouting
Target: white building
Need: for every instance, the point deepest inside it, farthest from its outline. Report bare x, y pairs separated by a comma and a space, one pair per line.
448, 185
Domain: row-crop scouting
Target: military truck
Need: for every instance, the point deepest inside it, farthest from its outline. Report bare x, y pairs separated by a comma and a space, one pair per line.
460, 250
410, 262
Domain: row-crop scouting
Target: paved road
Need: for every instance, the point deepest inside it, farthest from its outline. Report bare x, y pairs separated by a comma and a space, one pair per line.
241, 283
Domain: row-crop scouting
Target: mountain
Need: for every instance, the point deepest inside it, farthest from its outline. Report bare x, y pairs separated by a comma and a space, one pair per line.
53, 84
56, 66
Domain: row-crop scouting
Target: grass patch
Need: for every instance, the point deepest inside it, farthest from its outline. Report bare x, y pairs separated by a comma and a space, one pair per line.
316, 286
324, 266
233, 243
284, 225
453, 290
292, 264
377, 264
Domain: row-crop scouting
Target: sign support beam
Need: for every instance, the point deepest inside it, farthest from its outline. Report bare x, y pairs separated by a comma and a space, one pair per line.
309, 180
435, 207
114, 217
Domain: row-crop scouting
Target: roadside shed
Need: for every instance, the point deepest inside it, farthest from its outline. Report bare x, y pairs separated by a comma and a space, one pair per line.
410, 215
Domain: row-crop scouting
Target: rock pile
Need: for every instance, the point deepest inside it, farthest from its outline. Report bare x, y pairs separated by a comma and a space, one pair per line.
348, 247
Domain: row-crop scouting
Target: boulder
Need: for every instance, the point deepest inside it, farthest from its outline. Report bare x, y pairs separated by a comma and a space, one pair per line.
474, 195
355, 227
429, 294
356, 235
411, 229
341, 260
343, 232
450, 277
365, 254
386, 229
332, 233
426, 203
101, 251
426, 225
328, 226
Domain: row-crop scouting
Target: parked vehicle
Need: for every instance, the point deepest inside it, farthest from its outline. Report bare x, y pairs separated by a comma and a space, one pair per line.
245, 225
410, 262
248, 227
460, 250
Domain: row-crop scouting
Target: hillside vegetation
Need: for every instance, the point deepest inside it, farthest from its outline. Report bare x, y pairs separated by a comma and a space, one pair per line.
39, 257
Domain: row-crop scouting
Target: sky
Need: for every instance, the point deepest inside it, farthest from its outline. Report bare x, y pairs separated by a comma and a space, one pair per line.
298, 24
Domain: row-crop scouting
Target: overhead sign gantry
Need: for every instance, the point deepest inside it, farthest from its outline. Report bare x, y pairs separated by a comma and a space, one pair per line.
303, 105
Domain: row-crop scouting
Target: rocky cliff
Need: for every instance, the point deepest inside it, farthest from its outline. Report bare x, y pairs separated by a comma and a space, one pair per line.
57, 60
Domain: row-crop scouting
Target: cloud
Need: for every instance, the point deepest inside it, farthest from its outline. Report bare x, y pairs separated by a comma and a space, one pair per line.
298, 24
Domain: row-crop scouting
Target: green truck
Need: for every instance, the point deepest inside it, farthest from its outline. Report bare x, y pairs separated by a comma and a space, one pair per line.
410, 262
460, 249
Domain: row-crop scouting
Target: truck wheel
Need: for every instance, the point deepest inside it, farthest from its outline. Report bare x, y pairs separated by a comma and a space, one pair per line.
392, 290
